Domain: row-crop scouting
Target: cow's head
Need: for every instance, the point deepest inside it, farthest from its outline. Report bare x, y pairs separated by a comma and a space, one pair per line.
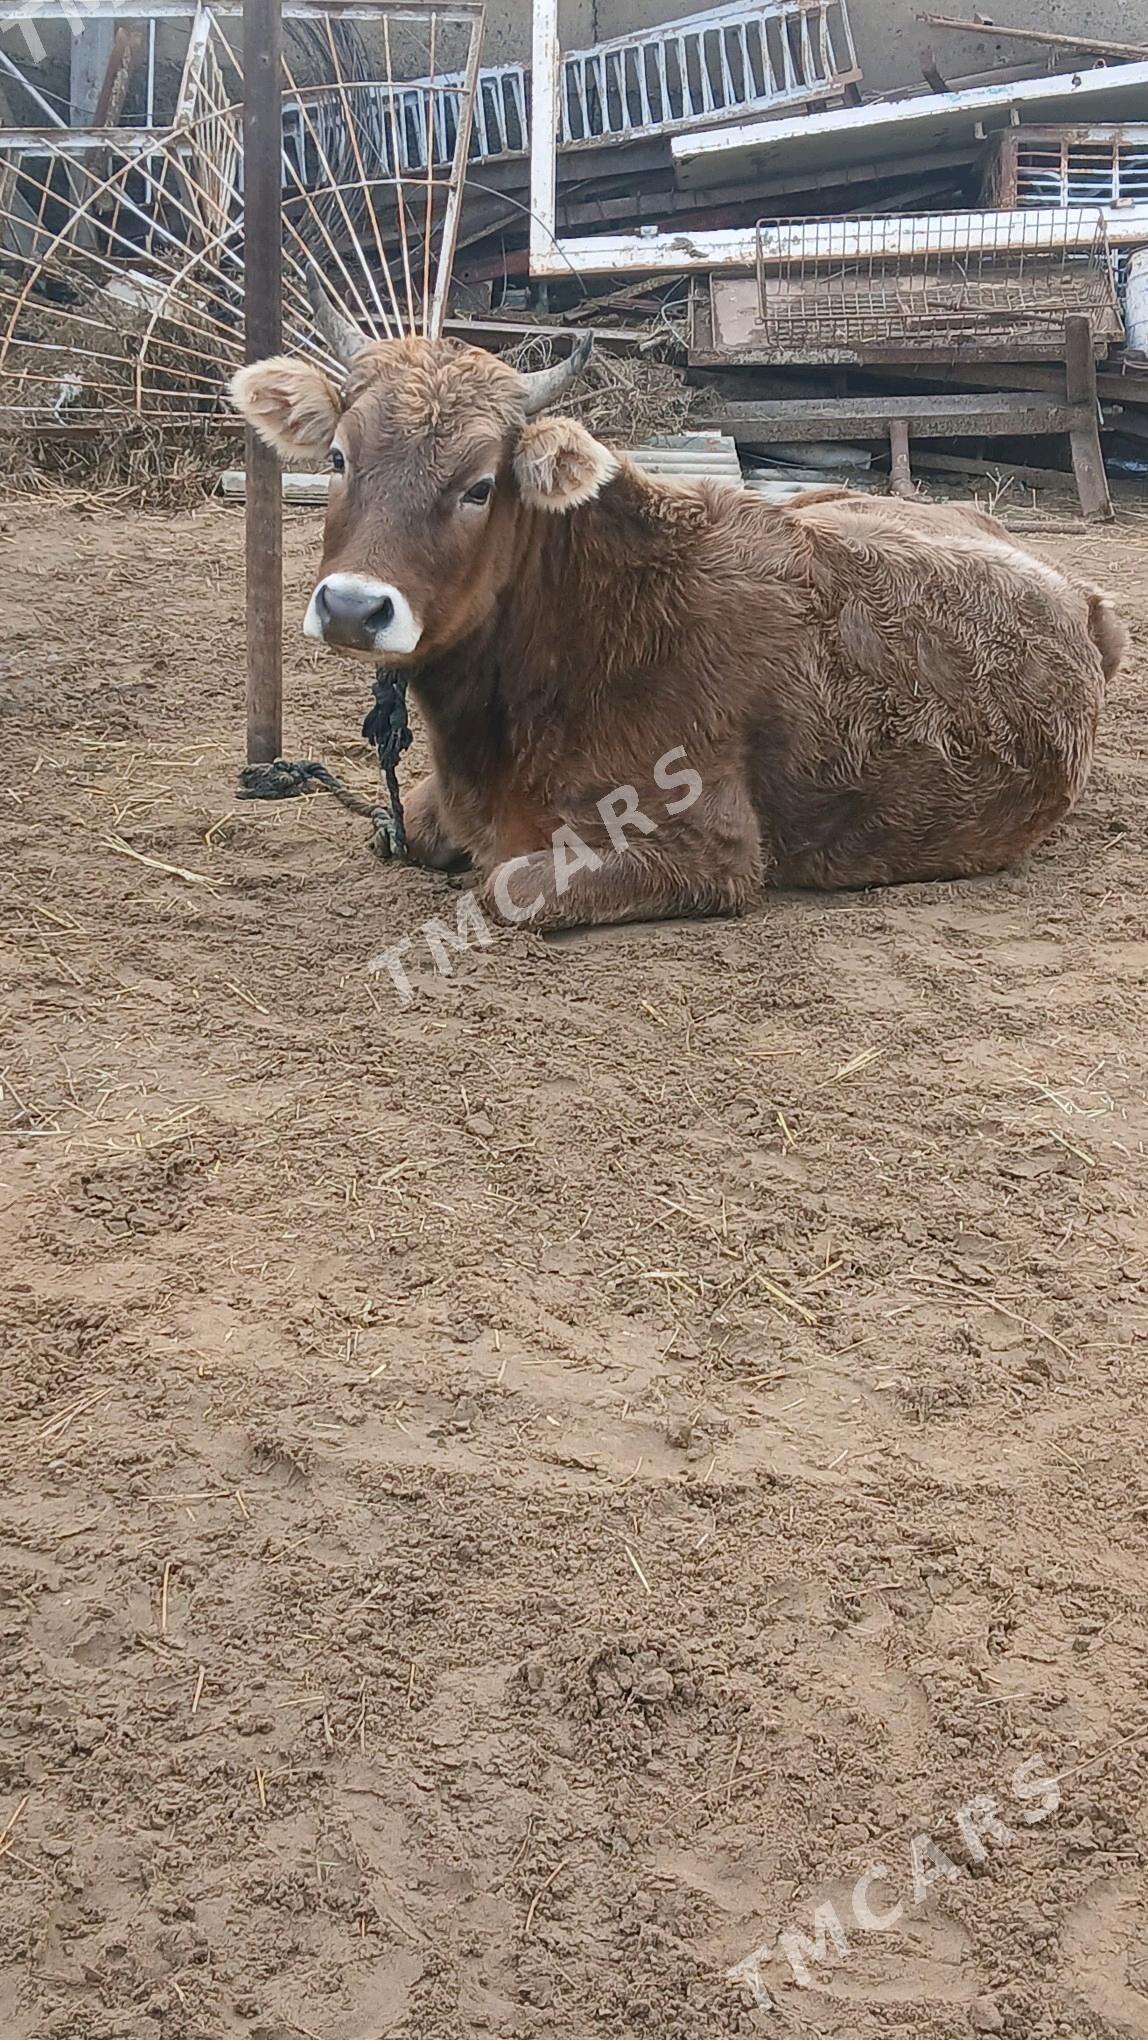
435, 449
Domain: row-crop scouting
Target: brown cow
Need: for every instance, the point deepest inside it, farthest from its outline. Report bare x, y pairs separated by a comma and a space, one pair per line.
646, 698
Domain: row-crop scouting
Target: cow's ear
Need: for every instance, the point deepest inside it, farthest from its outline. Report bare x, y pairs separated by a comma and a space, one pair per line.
289, 403
559, 466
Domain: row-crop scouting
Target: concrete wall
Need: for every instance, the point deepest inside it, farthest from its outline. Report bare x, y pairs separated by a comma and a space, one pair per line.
888, 36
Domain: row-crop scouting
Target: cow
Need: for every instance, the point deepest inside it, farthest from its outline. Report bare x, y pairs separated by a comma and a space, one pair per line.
647, 698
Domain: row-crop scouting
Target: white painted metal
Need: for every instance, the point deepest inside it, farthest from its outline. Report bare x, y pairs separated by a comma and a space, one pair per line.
544, 68
1136, 302
906, 126
646, 254
755, 55
781, 52
1085, 166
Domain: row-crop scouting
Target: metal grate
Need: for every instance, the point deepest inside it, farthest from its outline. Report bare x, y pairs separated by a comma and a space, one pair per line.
414, 124
1072, 166
932, 281
731, 59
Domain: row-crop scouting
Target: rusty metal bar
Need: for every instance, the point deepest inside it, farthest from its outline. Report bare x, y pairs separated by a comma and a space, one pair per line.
990, 31
263, 333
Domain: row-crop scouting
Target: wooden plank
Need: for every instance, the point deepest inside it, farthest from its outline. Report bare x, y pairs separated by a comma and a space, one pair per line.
90, 63
947, 365
496, 333
1084, 437
1031, 375
126, 50
973, 464
870, 417
901, 474
263, 300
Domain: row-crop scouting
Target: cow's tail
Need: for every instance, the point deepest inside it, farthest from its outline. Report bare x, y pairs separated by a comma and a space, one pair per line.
1108, 631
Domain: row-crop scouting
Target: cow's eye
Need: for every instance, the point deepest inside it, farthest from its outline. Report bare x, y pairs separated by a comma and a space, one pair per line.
338, 460
480, 492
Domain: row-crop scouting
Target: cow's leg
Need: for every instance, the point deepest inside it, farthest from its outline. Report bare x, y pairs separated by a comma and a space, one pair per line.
428, 837
713, 866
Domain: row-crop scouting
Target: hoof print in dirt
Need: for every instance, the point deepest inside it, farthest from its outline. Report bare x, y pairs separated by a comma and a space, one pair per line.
273, 1452
632, 1672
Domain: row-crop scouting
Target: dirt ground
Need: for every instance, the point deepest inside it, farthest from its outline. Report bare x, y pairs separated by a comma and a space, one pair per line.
511, 1503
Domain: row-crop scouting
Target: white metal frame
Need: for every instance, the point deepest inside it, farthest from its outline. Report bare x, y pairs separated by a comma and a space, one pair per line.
150, 246
738, 248
679, 76
759, 147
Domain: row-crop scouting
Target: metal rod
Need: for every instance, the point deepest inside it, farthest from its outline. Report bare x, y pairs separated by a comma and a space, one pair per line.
996, 31
263, 289
544, 118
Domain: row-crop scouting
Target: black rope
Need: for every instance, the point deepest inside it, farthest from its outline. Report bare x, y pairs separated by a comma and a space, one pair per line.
388, 729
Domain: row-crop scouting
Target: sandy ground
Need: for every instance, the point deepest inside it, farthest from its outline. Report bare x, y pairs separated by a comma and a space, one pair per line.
510, 1504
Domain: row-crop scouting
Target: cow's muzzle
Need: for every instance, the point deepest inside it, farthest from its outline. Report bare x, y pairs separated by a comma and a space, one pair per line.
362, 615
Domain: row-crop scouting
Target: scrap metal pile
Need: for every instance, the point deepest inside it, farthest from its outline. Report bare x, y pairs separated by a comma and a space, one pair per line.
832, 276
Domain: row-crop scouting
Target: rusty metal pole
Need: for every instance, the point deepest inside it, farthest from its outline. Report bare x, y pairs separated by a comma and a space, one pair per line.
263, 299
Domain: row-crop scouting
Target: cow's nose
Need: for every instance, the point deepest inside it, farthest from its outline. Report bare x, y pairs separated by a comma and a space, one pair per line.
362, 615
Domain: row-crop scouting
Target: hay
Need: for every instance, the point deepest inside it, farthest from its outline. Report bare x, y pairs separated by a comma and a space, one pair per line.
137, 466
626, 399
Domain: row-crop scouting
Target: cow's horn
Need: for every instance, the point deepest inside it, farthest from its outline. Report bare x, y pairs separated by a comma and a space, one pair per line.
544, 386
344, 338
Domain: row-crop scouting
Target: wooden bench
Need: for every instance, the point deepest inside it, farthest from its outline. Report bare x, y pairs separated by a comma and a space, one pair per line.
981, 415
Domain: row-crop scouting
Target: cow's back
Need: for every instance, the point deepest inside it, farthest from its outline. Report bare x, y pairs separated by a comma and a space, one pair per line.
949, 712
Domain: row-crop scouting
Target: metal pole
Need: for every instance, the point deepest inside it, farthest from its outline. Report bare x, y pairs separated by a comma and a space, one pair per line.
263, 298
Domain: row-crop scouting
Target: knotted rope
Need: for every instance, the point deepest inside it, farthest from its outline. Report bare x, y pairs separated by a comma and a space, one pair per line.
386, 727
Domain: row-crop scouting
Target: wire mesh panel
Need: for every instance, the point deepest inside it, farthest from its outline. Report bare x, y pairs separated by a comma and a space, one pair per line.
1006, 279
121, 252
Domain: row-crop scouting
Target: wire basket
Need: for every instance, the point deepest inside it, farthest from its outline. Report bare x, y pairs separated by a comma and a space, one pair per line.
1001, 279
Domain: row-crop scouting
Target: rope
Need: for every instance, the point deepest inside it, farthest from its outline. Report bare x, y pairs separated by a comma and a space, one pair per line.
386, 727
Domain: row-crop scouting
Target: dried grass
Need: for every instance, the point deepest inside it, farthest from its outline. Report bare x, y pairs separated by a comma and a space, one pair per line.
626, 399
137, 466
